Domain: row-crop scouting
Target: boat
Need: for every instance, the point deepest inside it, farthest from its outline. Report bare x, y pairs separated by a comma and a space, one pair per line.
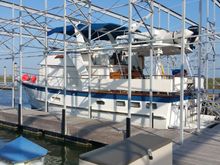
109, 76
22, 151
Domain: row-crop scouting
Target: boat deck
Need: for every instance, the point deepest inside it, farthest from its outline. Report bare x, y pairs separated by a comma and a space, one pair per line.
197, 149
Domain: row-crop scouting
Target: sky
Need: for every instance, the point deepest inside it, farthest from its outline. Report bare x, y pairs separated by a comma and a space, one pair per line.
192, 8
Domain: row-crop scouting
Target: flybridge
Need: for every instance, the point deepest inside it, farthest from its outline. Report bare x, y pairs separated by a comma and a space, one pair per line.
168, 42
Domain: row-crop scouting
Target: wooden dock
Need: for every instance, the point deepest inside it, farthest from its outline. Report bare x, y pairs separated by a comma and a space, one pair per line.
197, 149
90, 130
201, 149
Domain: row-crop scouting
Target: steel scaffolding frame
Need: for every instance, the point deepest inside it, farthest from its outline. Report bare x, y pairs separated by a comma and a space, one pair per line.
31, 27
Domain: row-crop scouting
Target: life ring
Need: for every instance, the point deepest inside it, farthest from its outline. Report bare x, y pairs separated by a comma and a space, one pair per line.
25, 77
33, 79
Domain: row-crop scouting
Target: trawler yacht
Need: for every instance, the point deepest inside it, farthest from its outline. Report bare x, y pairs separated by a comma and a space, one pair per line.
109, 76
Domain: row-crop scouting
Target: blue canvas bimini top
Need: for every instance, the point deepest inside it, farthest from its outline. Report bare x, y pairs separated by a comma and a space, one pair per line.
98, 30
21, 150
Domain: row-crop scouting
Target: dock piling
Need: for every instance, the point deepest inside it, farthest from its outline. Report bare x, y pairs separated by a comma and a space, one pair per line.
128, 127
14, 65
152, 120
63, 122
19, 115
47, 108
5, 75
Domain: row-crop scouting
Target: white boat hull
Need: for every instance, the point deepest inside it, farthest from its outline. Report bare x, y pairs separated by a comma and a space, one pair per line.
166, 110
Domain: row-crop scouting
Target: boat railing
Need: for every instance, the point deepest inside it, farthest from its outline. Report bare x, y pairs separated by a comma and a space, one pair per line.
172, 82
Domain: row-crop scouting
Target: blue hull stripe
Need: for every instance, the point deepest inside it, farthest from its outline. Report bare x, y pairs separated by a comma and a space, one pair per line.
163, 99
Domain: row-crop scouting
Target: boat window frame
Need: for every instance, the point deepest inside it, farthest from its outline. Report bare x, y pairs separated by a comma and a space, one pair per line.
119, 101
135, 102
154, 105
100, 102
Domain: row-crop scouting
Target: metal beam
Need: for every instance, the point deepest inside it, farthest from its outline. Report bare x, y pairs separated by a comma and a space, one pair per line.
20, 105
173, 13
32, 10
16, 34
16, 23
199, 68
217, 2
128, 119
104, 11
182, 72
156, 4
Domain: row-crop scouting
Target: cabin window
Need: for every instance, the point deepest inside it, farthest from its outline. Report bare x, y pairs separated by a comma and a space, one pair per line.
100, 102
120, 103
135, 104
154, 105
54, 98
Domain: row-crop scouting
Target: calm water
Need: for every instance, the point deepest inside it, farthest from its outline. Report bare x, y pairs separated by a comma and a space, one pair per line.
64, 153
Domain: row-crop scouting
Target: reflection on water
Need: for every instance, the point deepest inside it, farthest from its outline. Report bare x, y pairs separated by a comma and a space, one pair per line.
65, 153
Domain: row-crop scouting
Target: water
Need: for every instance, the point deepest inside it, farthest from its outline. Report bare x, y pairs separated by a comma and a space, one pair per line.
65, 153
6, 95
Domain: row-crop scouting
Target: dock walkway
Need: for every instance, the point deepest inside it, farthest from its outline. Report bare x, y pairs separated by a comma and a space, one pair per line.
91, 130
201, 149
197, 149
